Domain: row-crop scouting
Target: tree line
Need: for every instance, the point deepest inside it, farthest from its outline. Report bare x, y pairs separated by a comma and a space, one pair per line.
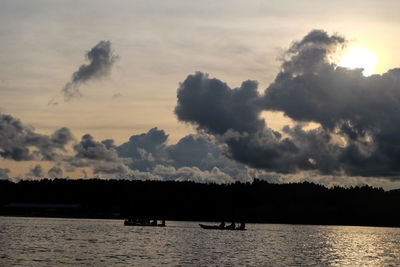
259, 201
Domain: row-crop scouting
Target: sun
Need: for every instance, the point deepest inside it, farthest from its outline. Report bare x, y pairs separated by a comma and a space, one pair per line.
360, 57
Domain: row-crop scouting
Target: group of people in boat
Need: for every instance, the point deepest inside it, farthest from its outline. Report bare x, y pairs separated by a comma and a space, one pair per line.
154, 222
143, 222
232, 226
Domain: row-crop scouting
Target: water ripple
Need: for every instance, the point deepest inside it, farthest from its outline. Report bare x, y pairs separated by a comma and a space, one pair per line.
51, 242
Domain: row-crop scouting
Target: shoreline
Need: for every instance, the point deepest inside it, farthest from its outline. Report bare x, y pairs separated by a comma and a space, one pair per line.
199, 221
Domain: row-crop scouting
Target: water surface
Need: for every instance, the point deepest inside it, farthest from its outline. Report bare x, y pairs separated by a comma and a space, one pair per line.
54, 242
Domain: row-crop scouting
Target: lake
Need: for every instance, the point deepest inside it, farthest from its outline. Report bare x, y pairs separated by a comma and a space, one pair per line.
55, 242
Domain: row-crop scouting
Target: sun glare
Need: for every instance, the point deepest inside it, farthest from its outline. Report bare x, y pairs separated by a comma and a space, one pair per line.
360, 57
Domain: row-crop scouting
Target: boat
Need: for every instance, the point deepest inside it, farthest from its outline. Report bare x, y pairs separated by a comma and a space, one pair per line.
217, 227
128, 222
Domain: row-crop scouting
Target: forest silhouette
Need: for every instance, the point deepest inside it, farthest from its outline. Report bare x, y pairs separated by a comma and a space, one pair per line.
259, 201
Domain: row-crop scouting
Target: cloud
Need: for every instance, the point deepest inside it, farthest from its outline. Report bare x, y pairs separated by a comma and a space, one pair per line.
196, 157
195, 150
145, 150
101, 58
152, 141
357, 133
4, 173
88, 148
361, 110
216, 108
55, 172
204, 152
192, 174
19, 142
145, 156
358, 115
170, 173
140, 175
233, 117
37, 171
111, 168
311, 53
101, 156
149, 150
61, 137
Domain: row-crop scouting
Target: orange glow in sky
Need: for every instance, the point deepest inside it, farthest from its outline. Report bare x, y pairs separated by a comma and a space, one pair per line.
360, 57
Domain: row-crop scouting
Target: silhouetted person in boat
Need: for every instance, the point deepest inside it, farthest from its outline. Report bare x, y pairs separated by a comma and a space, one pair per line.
242, 226
221, 225
231, 226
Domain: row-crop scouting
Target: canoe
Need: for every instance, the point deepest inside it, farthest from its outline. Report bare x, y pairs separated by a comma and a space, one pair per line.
216, 227
127, 223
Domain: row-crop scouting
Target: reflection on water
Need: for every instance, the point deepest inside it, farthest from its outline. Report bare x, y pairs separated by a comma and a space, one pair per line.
50, 242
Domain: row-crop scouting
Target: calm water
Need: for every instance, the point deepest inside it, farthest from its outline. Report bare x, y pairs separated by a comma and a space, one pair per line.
54, 242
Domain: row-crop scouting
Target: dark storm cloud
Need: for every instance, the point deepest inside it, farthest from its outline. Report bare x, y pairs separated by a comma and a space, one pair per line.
111, 168
363, 110
55, 172
19, 142
13, 139
101, 59
4, 173
216, 108
101, 156
148, 156
311, 53
199, 153
194, 174
233, 116
298, 150
194, 150
144, 156
153, 141
359, 116
202, 152
88, 148
109, 143
146, 150
37, 171
61, 137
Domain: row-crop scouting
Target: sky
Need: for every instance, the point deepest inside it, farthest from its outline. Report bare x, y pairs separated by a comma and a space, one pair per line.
208, 91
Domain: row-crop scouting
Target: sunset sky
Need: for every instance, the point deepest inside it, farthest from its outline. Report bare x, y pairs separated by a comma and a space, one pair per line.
153, 90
